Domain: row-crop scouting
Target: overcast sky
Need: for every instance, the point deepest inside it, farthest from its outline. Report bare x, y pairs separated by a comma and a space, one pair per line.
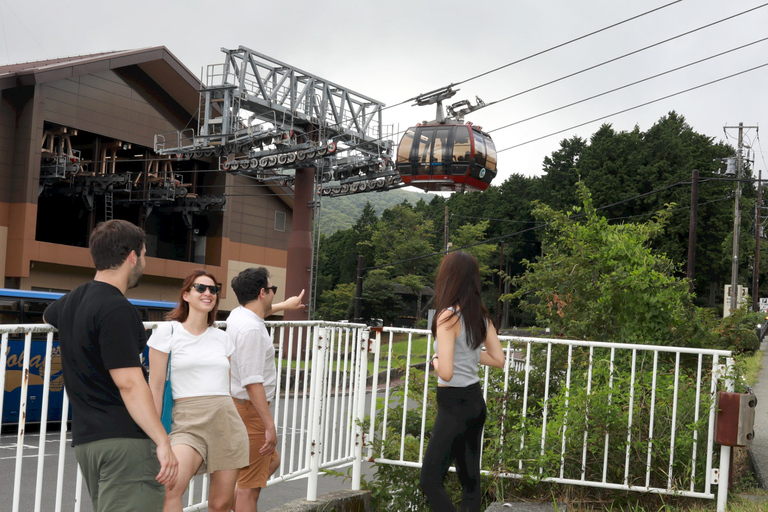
394, 50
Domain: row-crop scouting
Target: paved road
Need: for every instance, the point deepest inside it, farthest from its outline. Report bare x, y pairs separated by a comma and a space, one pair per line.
272, 497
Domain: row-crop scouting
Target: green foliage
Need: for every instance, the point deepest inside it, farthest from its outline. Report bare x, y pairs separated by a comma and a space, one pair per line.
337, 304
617, 165
603, 282
340, 213
379, 297
736, 332
590, 406
468, 235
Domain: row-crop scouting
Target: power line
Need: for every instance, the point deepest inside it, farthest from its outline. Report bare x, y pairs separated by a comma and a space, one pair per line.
539, 226
621, 87
633, 108
542, 52
628, 54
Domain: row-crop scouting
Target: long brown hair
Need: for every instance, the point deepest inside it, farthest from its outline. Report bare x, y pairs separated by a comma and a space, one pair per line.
181, 311
458, 286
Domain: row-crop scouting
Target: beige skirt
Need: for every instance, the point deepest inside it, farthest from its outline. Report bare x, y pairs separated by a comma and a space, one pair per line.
212, 426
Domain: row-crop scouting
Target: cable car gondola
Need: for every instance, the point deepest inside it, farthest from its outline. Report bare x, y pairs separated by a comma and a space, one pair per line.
446, 157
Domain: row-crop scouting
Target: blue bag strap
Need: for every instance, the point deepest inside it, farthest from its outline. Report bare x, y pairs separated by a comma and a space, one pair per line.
168, 367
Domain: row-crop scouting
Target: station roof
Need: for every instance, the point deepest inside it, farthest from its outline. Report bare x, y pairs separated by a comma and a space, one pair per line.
157, 62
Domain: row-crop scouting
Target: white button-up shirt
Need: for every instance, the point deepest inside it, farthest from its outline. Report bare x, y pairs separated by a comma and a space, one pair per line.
253, 361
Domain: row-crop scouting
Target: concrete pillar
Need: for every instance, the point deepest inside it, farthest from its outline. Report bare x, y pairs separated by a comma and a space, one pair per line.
300, 241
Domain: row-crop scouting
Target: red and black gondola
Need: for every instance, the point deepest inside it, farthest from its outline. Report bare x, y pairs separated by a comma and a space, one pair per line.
444, 157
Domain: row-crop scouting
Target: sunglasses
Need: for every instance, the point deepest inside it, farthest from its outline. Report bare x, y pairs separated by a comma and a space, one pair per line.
200, 288
273, 288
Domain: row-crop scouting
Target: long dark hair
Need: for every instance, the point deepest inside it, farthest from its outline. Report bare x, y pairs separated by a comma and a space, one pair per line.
181, 311
458, 286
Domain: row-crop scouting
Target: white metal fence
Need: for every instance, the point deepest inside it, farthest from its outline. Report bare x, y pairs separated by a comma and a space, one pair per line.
318, 411
617, 416
630, 417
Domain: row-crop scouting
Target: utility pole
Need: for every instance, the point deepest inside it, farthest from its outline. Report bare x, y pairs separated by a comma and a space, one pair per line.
445, 231
758, 229
692, 228
736, 221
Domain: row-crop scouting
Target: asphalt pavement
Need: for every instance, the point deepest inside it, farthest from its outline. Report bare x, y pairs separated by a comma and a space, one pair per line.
758, 451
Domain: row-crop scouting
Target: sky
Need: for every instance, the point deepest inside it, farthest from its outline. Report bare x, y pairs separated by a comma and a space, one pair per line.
392, 51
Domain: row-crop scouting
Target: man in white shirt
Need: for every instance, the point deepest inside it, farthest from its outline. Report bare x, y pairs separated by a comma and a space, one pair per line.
254, 376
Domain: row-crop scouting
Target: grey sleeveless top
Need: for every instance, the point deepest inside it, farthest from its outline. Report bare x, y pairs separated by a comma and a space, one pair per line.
465, 360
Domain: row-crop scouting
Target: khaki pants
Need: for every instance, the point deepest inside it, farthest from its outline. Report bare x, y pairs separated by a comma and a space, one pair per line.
120, 474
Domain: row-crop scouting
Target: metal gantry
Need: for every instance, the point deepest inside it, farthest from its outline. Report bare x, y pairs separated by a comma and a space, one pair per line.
264, 118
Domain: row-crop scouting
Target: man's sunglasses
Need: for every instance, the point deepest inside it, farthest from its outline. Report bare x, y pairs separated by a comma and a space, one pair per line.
200, 288
273, 288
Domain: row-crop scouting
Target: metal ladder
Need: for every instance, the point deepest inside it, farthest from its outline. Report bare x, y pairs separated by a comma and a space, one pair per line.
109, 211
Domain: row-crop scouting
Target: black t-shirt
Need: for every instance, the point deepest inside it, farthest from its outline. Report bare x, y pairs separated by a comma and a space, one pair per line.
99, 330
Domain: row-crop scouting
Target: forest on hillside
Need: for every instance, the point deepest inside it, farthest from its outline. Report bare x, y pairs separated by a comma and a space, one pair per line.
631, 176
343, 211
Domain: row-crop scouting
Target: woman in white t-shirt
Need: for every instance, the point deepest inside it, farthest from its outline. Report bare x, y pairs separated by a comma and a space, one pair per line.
207, 435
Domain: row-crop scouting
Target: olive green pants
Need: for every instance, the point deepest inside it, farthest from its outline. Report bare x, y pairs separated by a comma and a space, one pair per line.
120, 474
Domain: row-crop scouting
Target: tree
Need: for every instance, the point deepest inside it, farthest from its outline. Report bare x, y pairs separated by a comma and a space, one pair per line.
633, 174
336, 304
603, 282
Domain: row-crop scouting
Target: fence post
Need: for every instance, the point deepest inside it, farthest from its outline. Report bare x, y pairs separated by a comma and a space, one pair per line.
725, 451
316, 393
374, 387
22, 418
362, 377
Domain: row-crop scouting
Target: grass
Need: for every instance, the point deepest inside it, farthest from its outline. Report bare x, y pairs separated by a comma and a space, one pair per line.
751, 365
399, 354
746, 496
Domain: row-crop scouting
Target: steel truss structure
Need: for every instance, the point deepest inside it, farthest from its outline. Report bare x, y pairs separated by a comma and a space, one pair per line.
63, 171
264, 118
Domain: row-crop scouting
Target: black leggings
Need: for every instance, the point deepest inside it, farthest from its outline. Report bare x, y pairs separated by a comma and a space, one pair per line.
455, 436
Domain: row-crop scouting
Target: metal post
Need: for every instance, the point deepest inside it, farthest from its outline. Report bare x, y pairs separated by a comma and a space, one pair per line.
758, 229
725, 451
374, 386
22, 415
362, 377
317, 393
692, 229
359, 288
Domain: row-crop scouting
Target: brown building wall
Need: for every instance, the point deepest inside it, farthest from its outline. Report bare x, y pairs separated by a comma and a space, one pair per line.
127, 105
251, 214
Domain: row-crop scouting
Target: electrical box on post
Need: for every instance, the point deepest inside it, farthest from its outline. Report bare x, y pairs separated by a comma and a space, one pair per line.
735, 420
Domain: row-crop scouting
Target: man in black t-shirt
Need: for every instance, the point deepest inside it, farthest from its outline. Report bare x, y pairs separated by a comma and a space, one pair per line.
119, 441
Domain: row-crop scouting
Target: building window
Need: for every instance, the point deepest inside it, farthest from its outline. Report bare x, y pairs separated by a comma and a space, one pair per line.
279, 221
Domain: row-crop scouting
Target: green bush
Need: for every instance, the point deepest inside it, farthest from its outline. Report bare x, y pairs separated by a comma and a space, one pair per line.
513, 443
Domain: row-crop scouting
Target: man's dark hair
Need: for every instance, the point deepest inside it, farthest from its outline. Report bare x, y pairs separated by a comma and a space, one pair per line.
248, 284
112, 241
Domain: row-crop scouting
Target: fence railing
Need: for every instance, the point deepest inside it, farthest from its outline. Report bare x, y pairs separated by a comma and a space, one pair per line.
318, 410
617, 416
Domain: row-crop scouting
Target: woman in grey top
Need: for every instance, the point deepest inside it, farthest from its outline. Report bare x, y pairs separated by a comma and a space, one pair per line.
461, 329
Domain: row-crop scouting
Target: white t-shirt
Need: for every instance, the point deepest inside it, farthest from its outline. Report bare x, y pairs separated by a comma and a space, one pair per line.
199, 364
254, 359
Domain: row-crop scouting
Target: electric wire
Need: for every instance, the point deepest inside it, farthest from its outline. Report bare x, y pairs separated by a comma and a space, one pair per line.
543, 225
542, 52
621, 87
632, 108
659, 43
